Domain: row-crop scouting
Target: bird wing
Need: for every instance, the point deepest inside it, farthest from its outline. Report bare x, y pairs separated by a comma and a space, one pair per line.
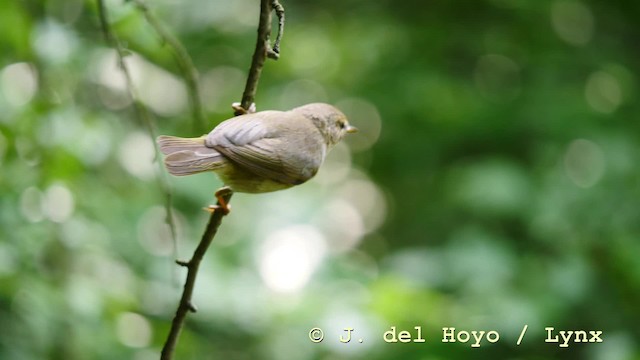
271, 144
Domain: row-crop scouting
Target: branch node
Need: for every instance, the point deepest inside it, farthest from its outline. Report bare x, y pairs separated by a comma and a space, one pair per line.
183, 263
273, 54
192, 307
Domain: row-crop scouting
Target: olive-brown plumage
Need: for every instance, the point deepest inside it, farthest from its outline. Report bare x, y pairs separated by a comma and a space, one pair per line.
261, 152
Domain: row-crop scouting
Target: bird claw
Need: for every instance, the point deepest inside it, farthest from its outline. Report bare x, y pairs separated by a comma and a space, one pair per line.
226, 209
239, 110
222, 203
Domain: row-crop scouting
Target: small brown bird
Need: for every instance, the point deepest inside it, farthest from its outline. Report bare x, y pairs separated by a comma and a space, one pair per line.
261, 152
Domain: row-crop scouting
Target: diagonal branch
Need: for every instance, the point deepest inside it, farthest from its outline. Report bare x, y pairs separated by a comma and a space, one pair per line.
141, 110
186, 305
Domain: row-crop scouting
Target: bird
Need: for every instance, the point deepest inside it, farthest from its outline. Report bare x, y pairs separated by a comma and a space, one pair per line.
262, 151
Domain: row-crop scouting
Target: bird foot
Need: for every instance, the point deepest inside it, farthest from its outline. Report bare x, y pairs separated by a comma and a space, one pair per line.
239, 110
222, 203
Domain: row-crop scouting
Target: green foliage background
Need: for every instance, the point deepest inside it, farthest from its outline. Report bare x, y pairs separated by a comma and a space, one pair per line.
494, 183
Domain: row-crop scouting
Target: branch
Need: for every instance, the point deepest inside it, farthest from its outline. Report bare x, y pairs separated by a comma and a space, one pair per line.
141, 110
262, 51
182, 57
224, 195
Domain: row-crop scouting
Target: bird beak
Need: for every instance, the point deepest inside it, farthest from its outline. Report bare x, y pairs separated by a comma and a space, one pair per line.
352, 129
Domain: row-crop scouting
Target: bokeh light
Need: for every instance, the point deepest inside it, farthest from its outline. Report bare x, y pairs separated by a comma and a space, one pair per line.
584, 163
288, 258
19, 83
137, 154
133, 330
572, 21
603, 92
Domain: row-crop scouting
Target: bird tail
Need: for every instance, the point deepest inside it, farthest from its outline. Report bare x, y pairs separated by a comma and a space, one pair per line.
186, 156
171, 144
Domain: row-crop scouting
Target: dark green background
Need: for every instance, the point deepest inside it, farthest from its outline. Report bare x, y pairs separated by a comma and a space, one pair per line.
494, 183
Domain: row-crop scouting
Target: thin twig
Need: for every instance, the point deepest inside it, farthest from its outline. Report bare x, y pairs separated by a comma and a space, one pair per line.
141, 110
279, 9
182, 57
186, 305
